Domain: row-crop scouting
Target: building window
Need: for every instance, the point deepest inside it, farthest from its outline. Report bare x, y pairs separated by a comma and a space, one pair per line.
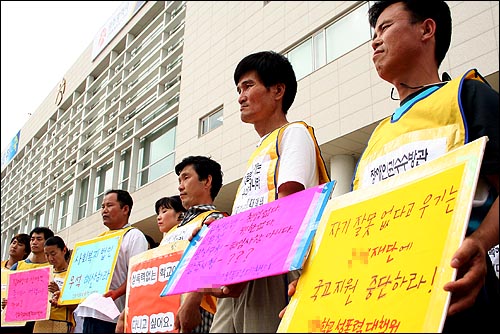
124, 173
211, 121
65, 209
103, 182
50, 216
319, 46
38, 219
29, 226
347, 33
6, 245
301, 59
84, 193
157, 154
331, 43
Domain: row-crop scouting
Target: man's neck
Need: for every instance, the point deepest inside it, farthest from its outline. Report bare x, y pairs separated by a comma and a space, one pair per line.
410, 84
11, 261
197, 205
38, 258
119, 228
270, 124
195, 210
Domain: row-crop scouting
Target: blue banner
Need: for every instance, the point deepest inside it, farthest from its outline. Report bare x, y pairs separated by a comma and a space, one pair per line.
11, 150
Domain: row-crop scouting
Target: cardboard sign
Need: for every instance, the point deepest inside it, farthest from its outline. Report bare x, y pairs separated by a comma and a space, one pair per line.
28, 295
145, 310
90, 268
5, 285
385, 249
268, 240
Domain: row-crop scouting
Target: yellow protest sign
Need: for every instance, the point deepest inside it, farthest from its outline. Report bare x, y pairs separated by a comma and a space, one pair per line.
381, 255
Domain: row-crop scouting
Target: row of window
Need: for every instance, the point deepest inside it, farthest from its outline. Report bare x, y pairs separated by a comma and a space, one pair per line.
156, 158
67, 188
317, 50
156, 153
331, 43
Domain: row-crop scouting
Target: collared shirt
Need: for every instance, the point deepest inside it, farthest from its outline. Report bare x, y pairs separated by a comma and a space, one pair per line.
195, 210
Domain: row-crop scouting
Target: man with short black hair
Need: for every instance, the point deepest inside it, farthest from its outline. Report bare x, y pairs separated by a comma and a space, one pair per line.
411, 39
115, 211
200, 179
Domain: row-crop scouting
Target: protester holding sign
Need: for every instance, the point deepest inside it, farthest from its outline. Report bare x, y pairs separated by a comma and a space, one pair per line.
61, 317
115, 210
435, 116
200, 179
169, 211
266, 85
461, 110
19, 249
35, 260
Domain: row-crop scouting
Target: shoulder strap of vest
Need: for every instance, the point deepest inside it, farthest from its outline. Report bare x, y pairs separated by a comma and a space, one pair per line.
128, 229
473, 74
320, 162
18, 265
210, 212
122, 231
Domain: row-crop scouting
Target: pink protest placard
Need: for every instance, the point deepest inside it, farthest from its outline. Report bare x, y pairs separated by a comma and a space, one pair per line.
28, 295
264, 241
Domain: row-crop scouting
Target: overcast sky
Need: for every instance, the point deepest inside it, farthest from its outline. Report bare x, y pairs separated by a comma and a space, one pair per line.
41, 40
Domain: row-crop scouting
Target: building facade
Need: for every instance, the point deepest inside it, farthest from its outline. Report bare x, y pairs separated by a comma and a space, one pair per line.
160, 88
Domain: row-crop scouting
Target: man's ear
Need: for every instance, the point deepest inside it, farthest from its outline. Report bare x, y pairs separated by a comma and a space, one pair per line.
208, 181
428, 29
128, 209
279, 90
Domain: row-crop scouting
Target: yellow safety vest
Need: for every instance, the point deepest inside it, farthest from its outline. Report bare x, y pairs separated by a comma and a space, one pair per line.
121, 231
422, 129
23, 265
265, 159
62, 313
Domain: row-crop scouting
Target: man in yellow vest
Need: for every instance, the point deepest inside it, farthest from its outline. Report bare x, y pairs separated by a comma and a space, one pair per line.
36, 259
200, 179
286, 160
115, 211
411, 39
435, 116
19, 249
